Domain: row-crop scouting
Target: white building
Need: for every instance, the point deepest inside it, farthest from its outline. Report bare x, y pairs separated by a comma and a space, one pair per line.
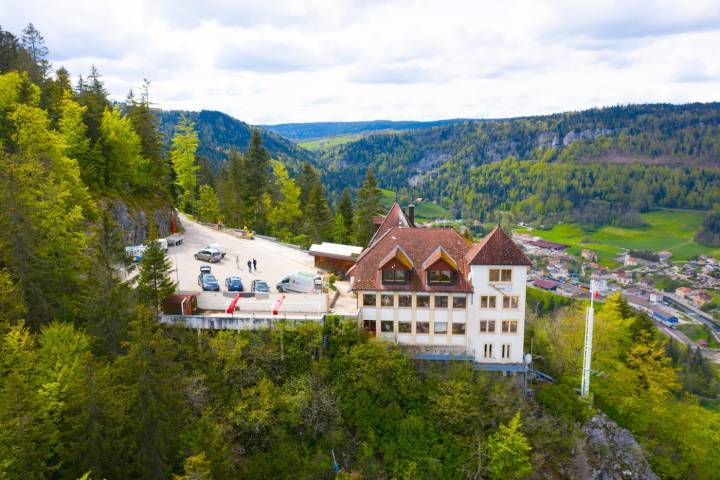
437, 292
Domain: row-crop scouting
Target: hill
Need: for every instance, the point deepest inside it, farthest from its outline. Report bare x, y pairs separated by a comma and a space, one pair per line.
316, 130
220, 133
599, 166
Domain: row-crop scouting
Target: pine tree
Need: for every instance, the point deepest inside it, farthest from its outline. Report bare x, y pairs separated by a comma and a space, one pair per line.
344, 234
257, 173
91, 94
154, 282
306, 180
368, 206
231, 183
208, 208
182, 155
318, 218
509, 452
145, 124
34, 43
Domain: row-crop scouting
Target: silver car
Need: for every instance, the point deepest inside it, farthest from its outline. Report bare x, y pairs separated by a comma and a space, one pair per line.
207, 255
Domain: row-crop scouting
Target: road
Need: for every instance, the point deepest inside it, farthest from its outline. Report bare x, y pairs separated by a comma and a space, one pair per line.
274, 260
699, 314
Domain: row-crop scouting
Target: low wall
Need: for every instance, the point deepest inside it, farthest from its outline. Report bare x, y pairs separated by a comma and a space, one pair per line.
230, 323
294, 303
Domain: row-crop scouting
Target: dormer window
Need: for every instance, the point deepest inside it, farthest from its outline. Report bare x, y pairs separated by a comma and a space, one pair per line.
395, 276
441, 277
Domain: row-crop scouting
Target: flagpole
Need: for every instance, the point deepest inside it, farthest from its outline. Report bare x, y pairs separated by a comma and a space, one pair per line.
587, 349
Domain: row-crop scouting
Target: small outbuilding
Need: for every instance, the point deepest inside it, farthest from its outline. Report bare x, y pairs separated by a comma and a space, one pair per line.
334, 257
180, 304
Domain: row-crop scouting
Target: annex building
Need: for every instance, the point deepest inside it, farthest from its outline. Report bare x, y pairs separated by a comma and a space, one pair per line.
437, 292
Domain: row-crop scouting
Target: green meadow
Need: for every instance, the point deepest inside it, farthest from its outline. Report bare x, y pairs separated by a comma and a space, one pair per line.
424, 211
324, 143
671, 230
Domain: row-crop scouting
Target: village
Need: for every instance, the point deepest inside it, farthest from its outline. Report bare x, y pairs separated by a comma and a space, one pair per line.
676, 295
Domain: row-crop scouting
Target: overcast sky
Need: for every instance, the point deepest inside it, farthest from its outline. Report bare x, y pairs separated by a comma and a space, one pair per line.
298, 61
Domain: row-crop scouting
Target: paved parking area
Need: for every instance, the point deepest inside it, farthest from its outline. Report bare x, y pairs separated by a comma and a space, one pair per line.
274, 261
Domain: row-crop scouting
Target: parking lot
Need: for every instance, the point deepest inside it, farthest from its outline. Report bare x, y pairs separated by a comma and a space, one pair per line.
274, 261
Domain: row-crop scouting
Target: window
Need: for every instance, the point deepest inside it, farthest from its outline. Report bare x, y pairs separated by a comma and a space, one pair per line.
387, 300
506, 351
458, 329
387, 326
369, 299
404, 301
369, 327
459, 302
503, 275
510, 301
487, 326
441, 277
422, 327
423, 301
395, 277
509, 326
487, 350
488, 301
404, 327
440, 327
441, 301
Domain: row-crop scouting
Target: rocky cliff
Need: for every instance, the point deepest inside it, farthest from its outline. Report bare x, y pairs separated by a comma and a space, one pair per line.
134, 220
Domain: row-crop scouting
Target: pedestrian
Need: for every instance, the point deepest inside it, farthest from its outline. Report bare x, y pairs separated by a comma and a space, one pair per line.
255, 264
249, 264
237, 262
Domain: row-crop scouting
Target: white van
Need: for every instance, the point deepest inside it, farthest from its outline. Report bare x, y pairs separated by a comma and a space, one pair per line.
217, 247
300, 282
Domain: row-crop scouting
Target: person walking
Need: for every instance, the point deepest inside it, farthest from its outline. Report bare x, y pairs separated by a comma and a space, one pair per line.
255, 264
249, 264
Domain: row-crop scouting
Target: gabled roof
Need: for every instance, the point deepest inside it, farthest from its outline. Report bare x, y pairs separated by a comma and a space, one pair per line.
397, 254
497, 249
395, 218
418, 244
440, 254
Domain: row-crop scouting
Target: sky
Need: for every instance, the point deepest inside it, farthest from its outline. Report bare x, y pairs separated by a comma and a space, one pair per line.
278, 61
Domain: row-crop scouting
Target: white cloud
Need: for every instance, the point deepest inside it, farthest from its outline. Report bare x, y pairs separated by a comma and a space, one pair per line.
315, 60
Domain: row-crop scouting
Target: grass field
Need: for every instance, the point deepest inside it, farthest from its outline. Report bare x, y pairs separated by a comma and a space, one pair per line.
323, 143
697, 332
424, 211
671, 230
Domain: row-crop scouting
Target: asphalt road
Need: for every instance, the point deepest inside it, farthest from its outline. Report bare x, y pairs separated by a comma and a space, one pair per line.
274, 261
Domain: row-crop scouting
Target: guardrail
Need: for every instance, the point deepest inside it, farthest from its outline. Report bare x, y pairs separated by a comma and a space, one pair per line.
203, 322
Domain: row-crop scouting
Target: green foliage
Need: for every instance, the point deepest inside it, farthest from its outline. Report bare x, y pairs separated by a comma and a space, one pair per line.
124, 164
367, 207
208, 207
154, 283
182, 155
509, 452
710, 233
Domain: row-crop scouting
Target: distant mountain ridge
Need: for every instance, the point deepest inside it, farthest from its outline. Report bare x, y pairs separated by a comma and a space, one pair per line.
220, 134
298, 132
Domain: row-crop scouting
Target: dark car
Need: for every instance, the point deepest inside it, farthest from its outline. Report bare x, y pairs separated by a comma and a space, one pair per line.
208, 282
234, 284
259, 286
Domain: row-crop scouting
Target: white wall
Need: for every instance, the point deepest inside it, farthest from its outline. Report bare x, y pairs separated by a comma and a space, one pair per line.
482, 286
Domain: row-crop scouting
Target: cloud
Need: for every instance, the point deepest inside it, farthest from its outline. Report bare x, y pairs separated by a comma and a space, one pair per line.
313, 60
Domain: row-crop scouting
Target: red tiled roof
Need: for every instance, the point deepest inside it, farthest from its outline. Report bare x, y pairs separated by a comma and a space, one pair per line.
548, 245
497, 249
395, 218
418, 244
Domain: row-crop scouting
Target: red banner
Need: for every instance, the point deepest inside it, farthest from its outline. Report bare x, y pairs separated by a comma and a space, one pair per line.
276, 305
231, 307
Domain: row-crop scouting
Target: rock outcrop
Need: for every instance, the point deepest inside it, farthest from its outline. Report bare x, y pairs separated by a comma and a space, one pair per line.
610, 452
134, 221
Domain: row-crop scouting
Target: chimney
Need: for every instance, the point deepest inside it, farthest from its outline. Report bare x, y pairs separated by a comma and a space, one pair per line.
411, 214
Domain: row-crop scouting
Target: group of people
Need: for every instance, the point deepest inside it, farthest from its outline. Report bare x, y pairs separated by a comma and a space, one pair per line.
251, 264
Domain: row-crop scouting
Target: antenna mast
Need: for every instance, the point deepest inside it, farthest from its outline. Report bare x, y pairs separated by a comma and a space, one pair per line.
587, 349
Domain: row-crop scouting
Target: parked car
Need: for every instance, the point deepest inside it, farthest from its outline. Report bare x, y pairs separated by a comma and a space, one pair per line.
217, 247
300, 282
259, 286
234, 284
207, 255
208, 282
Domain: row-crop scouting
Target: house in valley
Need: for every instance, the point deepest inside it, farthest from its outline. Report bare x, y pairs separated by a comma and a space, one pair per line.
433, 290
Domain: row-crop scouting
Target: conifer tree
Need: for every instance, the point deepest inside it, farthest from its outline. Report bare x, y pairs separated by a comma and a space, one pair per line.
34, 43
509, 452
145, 124
318, 217
344, 221
154, 282
182, 155
368, 206
208, 208
257, 175
306, 180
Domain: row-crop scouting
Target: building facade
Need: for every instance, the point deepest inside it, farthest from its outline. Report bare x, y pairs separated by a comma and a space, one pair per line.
434, 290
